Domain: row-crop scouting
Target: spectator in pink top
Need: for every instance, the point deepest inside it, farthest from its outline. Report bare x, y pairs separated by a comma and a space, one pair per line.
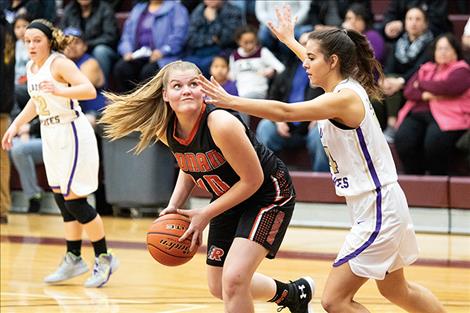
437, 111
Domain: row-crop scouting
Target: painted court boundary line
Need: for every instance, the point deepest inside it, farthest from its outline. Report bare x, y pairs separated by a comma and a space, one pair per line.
300, 255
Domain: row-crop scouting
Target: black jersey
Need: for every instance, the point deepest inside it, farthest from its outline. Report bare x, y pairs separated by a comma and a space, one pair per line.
199, 157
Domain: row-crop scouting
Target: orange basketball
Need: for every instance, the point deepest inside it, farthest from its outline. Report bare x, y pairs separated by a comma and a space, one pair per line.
162, 240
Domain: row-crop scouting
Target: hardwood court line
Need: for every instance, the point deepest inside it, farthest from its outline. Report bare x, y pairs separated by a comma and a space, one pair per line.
300, 255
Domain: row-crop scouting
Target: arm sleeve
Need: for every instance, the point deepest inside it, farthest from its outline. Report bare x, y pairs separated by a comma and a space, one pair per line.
455, 84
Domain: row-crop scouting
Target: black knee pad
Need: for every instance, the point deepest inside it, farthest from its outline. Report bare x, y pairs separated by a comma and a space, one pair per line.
66, 216
81, 210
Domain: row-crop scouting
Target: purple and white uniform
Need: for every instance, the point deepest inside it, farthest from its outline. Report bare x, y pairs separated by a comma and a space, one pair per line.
382, 237
69, 144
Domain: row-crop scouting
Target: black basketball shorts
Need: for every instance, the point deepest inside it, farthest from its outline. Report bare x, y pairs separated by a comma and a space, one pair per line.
264, 223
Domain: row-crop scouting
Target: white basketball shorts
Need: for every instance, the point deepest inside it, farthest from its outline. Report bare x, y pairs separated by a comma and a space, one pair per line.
382, 238
70, 153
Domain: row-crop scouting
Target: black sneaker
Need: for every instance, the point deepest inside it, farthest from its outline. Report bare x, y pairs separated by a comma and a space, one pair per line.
34, 204
300, 296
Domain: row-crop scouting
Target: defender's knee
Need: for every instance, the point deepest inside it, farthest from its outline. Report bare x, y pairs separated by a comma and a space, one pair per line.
81, 210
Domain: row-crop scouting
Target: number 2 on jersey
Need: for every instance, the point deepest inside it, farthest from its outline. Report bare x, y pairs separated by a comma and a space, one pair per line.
42, 105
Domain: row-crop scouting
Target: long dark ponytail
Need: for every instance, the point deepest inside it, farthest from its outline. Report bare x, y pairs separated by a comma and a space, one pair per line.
355, 54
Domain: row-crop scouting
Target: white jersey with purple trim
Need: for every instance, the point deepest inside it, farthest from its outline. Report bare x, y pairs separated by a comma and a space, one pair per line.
50, 108
360, 159
69, 146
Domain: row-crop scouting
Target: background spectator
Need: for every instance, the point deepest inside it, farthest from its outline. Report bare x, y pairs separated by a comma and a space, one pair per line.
360, 18
409, 52
219, 70
7, 84
25, 154
265, 12
332, 12
292, 85
154, 35
21, 59
394, 18
437, 112
98, 24
252, 65
34, 9
212, 26
77, 52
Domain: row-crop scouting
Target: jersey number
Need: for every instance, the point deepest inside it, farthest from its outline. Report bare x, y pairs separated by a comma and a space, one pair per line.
218, 186
42, 105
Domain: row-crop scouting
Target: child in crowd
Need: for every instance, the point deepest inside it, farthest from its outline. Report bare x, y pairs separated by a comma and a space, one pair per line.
220, 71
251, 65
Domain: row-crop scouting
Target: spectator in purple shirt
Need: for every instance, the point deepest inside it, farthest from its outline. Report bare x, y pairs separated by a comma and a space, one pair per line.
154, 35
437, 112
219, 70
360, 19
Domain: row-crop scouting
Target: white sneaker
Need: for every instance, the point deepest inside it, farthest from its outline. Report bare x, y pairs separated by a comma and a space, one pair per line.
70, 267
105, 265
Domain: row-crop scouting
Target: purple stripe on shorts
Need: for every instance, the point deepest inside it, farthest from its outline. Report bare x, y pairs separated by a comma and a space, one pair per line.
378, 199
75, 159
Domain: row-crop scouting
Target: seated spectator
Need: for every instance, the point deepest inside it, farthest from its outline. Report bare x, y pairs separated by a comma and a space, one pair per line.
21, 59
291, 86
25, 154
360, 19
251, 65
437, 112
219, 70
154, 34
97, 22
409, 52
34, 9
77, 52
265, 12
394, 18
332, 13
211, 30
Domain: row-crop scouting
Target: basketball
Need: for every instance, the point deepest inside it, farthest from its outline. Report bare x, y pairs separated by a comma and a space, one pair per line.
162, 240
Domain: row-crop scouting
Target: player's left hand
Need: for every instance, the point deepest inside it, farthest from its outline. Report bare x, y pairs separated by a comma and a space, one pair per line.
198, 223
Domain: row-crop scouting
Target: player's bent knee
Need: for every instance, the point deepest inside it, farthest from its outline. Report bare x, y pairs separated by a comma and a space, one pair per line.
81, 210
330, 304
66, 215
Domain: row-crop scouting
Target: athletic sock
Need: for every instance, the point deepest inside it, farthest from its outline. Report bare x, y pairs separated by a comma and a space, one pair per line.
75, 247
100, 247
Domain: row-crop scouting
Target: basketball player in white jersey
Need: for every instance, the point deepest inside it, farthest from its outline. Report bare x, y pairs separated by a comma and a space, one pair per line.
69, 148
382, 240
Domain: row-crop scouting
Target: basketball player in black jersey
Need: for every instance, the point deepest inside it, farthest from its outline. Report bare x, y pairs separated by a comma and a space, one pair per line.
252, 193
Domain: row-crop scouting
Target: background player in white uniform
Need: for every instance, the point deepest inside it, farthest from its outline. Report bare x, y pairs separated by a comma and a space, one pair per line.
381, 241
69, 148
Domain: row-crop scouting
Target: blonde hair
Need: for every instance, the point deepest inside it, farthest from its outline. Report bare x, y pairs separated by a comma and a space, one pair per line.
143, 109
59, 41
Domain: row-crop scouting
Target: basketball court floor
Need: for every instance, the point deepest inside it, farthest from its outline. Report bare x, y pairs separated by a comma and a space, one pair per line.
32, 246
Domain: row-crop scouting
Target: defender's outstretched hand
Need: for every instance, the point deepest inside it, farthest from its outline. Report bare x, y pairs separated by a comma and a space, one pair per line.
218, 95
284, 31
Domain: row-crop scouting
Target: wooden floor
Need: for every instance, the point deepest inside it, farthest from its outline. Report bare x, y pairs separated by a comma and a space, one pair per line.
32, 245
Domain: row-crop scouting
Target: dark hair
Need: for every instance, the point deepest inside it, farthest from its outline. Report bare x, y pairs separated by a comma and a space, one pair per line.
243, 30
361, 10
455, 44
422, 8
356, 57
221, 57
